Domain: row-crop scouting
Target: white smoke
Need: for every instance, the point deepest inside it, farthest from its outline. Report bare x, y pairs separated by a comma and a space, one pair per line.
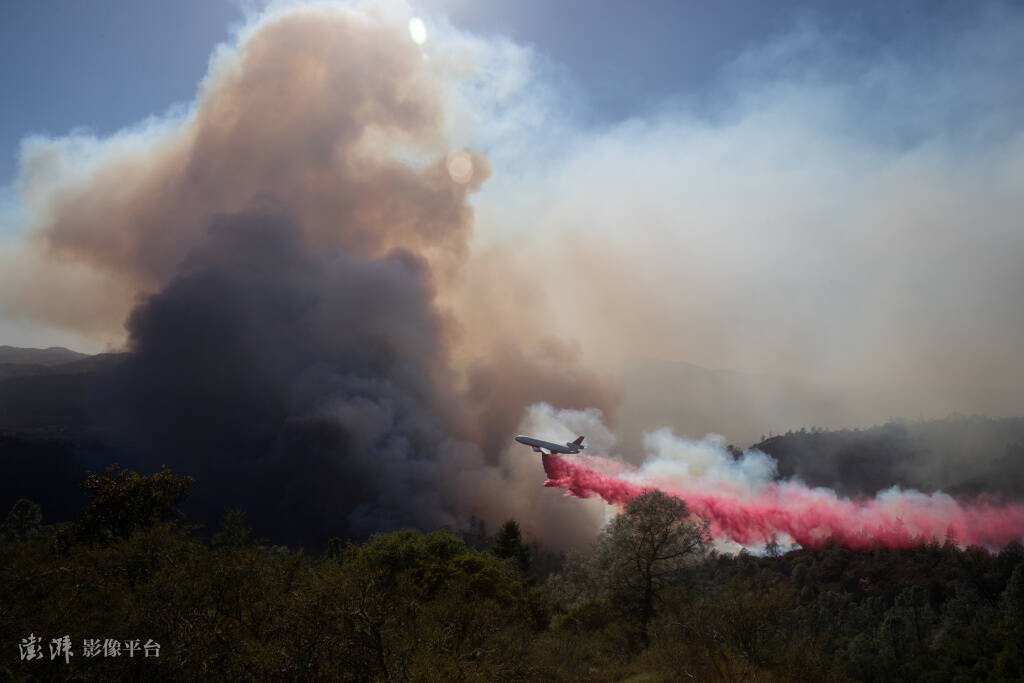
674, 459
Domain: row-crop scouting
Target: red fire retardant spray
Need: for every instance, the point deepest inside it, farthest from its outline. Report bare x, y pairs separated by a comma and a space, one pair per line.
810, 516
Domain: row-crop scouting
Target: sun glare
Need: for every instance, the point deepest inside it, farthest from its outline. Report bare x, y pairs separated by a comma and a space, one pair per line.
418, 30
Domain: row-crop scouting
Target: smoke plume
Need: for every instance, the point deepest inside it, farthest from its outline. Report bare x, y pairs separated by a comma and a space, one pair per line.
839, 226
278, 256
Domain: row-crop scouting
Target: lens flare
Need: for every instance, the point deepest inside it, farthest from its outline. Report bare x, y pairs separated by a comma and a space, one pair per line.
460, 167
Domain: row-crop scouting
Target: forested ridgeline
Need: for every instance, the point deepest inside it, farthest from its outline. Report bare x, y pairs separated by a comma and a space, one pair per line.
961, 455
649, 601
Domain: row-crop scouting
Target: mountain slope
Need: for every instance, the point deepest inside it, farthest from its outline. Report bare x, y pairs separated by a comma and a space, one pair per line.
55, 355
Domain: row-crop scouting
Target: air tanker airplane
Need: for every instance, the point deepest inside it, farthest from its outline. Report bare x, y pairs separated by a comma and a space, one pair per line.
570, 447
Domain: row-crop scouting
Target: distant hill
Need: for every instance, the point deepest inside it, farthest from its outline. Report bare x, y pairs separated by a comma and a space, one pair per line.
55, 355
46, 437
49, 396
958, 455
747, 408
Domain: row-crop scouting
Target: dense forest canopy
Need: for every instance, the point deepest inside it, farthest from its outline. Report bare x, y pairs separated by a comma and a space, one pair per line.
650, 599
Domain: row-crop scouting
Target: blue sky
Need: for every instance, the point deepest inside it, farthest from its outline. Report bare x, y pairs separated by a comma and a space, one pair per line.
100, 65
105, 65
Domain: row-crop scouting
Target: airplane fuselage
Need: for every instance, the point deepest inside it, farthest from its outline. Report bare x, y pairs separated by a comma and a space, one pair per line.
540, 445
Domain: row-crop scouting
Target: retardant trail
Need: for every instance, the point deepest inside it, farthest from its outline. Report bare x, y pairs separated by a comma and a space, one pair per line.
895, 519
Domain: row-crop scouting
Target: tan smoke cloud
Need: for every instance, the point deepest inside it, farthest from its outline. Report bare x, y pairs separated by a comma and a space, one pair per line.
313, 109
828, 234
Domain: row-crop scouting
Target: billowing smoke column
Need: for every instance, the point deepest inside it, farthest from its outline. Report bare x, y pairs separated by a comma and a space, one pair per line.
744, 506
279, 254
259, 370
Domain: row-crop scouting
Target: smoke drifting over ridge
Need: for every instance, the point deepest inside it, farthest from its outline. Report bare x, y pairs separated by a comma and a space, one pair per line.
845, 223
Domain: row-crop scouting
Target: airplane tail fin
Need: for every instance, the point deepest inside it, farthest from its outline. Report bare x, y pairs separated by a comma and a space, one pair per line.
579, 442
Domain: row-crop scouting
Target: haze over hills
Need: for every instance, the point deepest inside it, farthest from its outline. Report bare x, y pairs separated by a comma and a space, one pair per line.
743, 407
47, 440
51, 431
46, 390
19, 359
54, 355
695, 401
960, 455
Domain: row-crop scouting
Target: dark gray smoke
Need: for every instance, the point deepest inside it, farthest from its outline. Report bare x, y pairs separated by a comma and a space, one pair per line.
301, 384
311, 386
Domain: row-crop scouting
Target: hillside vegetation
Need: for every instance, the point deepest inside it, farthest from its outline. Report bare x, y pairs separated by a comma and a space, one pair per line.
650, 599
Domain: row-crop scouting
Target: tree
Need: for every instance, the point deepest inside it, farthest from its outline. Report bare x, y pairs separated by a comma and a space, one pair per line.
22, 521
647, 548
233, 532
425, 607
122, 501
508, 545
